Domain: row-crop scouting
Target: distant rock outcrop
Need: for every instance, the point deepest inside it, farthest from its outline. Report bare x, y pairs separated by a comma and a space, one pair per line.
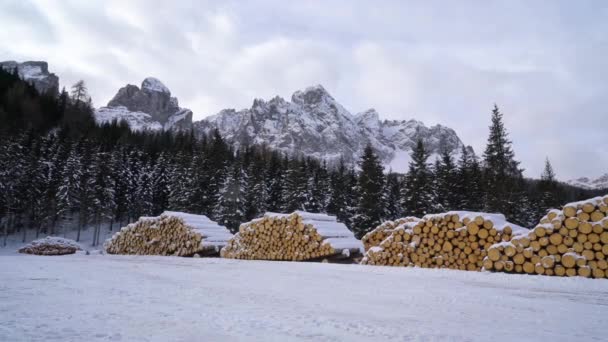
599, 183
149, 107
36, 73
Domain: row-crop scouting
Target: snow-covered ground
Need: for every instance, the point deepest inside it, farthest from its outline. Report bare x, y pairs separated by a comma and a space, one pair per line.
130, 298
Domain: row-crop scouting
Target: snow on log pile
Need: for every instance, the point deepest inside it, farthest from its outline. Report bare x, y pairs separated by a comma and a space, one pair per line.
376, 236
171, 233
298, 236
456, 240
51, 245
568, 242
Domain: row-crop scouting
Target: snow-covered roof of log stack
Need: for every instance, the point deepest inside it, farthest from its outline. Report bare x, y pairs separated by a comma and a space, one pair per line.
296, 236
213, 234
171, 233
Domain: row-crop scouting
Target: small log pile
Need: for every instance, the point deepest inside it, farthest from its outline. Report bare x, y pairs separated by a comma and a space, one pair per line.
292, 237
455, 240
171, 233
51, 245
376, 236
568, 242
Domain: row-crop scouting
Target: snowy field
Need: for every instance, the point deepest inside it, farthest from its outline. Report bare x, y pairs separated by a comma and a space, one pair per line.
130, 298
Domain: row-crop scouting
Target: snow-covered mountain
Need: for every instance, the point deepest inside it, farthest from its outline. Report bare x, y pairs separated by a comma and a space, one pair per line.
313, 123
148, 108
36, 73
599, 183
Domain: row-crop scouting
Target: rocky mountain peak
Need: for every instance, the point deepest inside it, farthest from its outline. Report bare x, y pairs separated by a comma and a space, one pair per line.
152, 105
311, 95
316, 125
35, 72
152, 84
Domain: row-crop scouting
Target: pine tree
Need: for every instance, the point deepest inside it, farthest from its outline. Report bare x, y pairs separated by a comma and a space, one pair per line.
144, 191
275, 182
339, 203
230, 208
392, 190
370, 211
102, 186
68, 194
160, 184
295, 189
446, 178
417, 193
318, 189
547, 189
469, 195
256, 193
501, 172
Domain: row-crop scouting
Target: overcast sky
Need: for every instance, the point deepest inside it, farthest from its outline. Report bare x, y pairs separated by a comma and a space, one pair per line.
441, 62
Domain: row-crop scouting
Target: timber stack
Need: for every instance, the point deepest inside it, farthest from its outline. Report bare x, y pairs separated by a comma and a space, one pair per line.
384, 230
569, 242
297, 236
171, 233
51, 245
455, 240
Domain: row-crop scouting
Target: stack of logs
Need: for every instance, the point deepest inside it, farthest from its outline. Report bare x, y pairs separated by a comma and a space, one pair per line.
568, 242
51, 245
168, 234
455, 240
292, 237
384, 230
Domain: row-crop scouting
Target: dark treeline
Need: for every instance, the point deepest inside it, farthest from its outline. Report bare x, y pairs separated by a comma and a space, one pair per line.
59, 170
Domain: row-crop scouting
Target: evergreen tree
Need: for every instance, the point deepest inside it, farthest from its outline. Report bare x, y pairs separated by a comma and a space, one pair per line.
230, 209
392, 190
339, 203
275, 178
469, 195
318, 188
256, 193
68, 193
160, 185
370, 211
548, 190
501, 173
446, 177
295, 189
417, 193
102, 185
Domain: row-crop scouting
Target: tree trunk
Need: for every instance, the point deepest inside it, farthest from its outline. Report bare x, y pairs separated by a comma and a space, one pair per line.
79, 227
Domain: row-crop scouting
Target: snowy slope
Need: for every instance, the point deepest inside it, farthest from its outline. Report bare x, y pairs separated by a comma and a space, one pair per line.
130, 298
313, 123
138, 121
599, 183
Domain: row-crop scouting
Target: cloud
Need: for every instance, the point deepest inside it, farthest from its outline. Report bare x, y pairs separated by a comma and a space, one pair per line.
542, 62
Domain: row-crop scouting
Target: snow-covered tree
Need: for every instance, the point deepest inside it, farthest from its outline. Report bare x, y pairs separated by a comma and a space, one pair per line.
417, 194
230, 209
370, 209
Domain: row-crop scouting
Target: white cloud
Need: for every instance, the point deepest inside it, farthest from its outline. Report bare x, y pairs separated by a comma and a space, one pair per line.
439, 62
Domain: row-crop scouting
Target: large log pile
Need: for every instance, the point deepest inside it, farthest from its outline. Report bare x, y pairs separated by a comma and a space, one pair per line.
51, 245
455, 240
294, 237
568, 242
384, 230
171, 233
